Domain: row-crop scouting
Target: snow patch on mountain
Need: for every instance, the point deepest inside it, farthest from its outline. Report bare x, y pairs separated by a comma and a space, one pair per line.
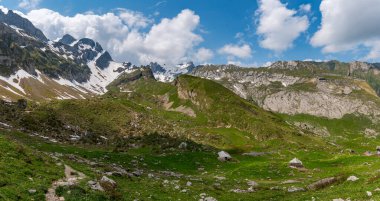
168, 74
14, 80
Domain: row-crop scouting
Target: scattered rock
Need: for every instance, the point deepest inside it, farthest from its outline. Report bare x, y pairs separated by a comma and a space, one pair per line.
220, 178
189, 183
107, 183
183, 145
254, 154
32, 191
252, 183
295, 163
95, 185
137, 173
249, 190
368, 153
317, 130
295, 189
322, 183
204, 198
210, 199
369, 193
352, 178
290, 181
370, 133
224, 156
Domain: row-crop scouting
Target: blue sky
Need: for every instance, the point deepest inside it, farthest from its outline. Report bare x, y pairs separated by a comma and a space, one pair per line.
225, 26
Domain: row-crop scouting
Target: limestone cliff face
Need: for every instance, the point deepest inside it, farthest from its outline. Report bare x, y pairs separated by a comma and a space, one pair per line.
318, 104
323, 89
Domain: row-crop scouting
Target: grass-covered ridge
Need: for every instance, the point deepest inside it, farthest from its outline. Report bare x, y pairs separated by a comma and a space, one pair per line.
140, 110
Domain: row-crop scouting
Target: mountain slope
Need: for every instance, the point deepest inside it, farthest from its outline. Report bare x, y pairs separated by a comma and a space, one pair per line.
193, 108
34, 68
327, 89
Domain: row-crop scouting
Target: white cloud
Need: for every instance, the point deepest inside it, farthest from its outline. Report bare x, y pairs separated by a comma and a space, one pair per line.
348, 24
279, 26
29, 4
305, 7
203, 55
243, 51
170, 41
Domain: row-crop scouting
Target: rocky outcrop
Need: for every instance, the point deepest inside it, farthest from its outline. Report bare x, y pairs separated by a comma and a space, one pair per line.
318, 104
104, 60
294, 87
127, 77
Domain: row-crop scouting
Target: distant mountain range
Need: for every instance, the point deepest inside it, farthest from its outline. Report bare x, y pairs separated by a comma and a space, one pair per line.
33, 67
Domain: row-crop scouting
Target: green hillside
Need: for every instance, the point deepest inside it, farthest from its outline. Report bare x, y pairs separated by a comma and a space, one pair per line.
135, 133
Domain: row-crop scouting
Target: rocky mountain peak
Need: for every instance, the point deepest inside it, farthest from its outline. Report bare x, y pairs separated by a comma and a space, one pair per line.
86, 43
188, 65
156, 68
12, 18
67, 39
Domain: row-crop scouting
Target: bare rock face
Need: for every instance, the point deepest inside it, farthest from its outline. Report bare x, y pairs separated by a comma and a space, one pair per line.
318, 104
319, 131
316, 88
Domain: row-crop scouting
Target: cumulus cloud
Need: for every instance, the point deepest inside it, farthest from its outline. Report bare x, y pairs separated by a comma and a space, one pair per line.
123, 33
348, 24
279, 26
243, 51
29, 4
203, 55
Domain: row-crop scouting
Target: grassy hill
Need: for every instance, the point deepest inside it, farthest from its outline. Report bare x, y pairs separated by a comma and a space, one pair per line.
193, 108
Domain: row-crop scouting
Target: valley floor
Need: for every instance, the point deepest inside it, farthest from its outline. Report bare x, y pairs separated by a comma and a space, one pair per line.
147, 173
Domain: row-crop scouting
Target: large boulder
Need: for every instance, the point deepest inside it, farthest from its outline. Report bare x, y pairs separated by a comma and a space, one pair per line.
107, 184
224, 156
295, 163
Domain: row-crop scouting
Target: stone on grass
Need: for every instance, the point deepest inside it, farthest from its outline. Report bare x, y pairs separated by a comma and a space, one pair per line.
369, 193
290, 181
183, 145
94, 185
252, 183
224, 156
352, 178
254, 154
295, 163
295, 189
209, 199
32, 191
368, 153
322, 183
107, 183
